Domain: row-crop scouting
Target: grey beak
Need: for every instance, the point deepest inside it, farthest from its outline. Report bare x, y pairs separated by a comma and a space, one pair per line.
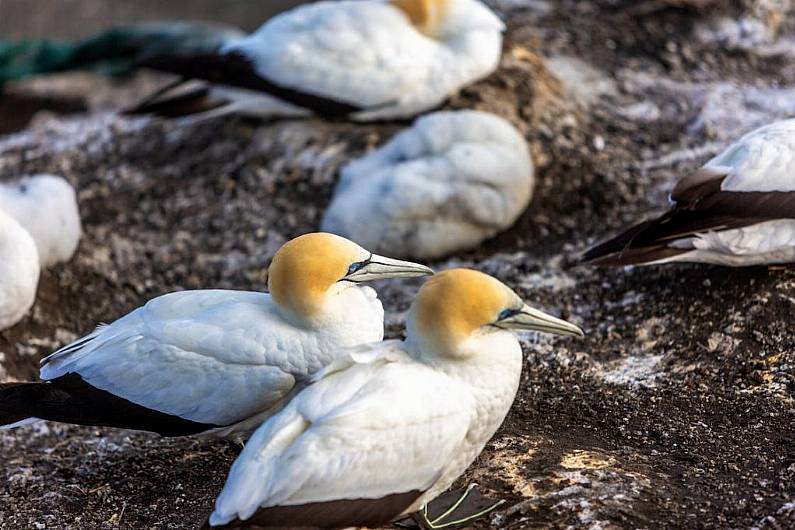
534, 320
380, 267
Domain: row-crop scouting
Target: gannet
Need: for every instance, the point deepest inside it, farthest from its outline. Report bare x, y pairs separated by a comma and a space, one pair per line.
388, 427
212, 361
46, 206
447, 183
19, 271
737, 210
364, 59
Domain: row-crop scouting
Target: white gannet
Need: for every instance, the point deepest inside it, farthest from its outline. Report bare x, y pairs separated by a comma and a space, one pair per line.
387, 428
46, 206
737, 210
19, 271
214, 361
363, 59
447, 183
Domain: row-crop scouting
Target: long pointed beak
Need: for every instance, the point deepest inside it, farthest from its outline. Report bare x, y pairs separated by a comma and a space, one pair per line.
380, 267
533, 319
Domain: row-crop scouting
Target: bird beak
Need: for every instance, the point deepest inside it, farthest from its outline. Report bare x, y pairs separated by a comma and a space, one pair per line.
380, 267
535, 320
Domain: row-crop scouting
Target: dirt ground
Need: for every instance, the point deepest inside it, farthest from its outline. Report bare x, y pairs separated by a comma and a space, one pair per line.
675, 411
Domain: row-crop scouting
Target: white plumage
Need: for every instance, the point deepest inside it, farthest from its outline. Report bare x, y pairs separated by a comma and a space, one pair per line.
737, 210
46, 206
214, 357
447, 183
394, 417
328, 442
19, 271
762, 160
378, 59
216, 361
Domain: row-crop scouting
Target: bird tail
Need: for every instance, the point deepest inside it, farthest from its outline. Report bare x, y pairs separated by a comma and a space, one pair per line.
18, 403
69, 399
166, 104
636, 246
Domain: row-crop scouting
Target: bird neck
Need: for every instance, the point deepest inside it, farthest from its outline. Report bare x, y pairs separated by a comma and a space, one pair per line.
316, 309
300, 304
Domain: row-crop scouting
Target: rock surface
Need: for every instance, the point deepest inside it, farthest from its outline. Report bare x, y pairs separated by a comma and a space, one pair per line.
676, 410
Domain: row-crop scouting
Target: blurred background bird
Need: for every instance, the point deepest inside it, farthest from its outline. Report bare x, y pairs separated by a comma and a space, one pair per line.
46, 206
737, 210
364, 60
19, 271
388, 427
215, 361
445, 184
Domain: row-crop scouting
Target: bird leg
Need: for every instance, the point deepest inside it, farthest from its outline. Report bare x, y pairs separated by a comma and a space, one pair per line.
467, 507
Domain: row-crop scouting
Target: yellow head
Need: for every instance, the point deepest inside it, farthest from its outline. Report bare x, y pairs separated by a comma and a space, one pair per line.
309, 269
448, 18
459, 304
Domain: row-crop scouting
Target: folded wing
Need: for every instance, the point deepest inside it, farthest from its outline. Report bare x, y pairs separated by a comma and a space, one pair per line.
356, 448
333, 58
212, 357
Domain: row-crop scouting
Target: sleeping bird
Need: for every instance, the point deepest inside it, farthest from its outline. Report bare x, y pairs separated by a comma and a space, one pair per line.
447, 183
357, 59
19, 271
215, 362
737, 210
387, 427
46, 206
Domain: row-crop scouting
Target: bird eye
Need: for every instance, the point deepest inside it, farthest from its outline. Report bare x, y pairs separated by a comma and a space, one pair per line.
507, 313
355, 267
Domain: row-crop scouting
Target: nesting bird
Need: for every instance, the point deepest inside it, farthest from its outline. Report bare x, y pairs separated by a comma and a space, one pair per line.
737, 210
390, 426
46, 206
447, 183
19, 271
213, 361
364, 60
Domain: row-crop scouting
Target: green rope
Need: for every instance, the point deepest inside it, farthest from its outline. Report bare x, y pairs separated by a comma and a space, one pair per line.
112, 52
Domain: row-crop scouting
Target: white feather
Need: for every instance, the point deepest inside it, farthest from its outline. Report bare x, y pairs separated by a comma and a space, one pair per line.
367, 53
447, 183
762, 160
19, 271
378, 421
217, 357
46, 206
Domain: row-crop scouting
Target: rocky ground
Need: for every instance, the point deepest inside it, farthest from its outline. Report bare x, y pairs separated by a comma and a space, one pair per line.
676, 410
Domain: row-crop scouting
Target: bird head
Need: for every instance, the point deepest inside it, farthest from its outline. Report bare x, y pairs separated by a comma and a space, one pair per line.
458, 305
309, 270
443, 19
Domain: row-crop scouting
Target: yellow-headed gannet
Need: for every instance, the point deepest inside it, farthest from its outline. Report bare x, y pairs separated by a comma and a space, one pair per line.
447, 183
215, 361
19, 271
366, 59
737, 210
387, 428
46, 206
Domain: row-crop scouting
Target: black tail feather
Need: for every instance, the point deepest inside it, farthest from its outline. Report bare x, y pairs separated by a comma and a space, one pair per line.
184, 103
69, 399
234, 69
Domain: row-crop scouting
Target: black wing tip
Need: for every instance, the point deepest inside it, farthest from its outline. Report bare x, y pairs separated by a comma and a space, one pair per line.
609, 252
70, 399
233, 68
